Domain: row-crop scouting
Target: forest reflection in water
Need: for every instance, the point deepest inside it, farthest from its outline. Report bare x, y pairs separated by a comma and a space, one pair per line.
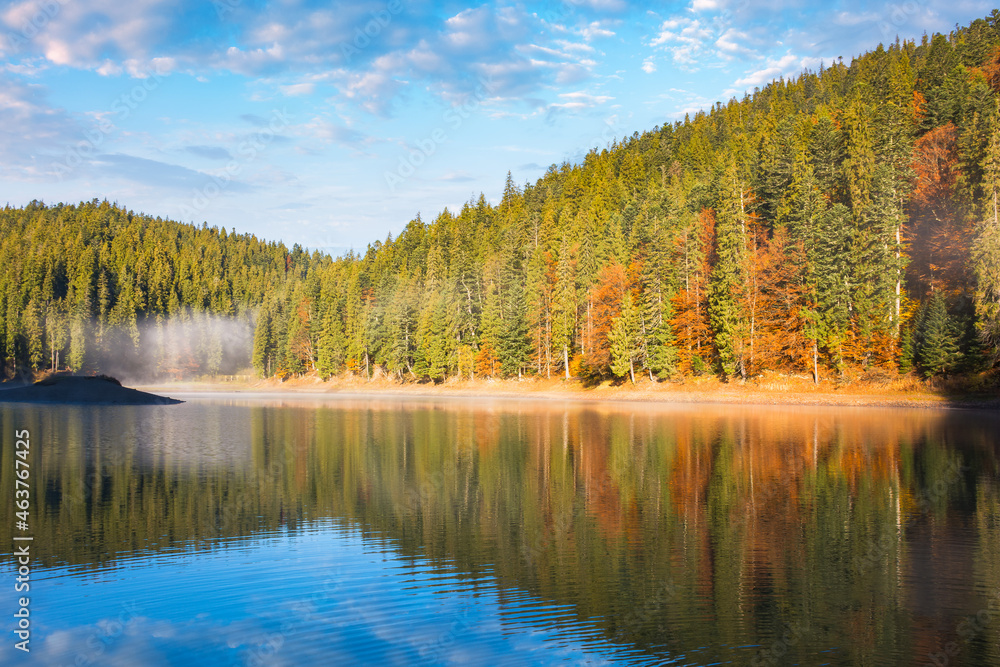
761, 535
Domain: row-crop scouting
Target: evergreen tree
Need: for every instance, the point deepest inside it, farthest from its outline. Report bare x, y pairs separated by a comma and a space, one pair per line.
830, 257
986, 250
623, 339
658, 343
564, 306
513, 346
263, 344
936, 347
729, 282
487, 361
33, 333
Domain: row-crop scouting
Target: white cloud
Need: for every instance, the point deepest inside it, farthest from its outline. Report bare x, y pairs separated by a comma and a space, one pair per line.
594, 30
684, 38
79, 34
367, 52
30, 68
483, 29
568, 46
296, 89
705, 5
34, 135
852, 19
321, 129
733, 42
579, 101
712, 35
506, 47
374, 90
788, 65
109, 68
648, 66
252, 61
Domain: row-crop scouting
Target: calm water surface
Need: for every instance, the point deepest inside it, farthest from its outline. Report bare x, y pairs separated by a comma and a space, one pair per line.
265, 531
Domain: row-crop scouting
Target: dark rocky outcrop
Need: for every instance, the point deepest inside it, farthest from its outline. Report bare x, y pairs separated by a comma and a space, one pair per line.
81, 389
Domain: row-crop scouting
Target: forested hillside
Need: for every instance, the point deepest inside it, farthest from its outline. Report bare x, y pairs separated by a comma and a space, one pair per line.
96, 287
842, 221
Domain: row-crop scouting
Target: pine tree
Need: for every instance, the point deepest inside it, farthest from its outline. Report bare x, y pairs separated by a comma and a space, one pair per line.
4, 352
937, 348
433, 340
263, 344
658, 343
538, 297
986, 250
78, 335
513, 344
663, 358
487, 361
33, 333
623, 338
400, 333
300, 334
55, 333
830, 254
729, 283
564, 306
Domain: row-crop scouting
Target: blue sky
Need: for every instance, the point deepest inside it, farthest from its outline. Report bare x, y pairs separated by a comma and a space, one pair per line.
334, 124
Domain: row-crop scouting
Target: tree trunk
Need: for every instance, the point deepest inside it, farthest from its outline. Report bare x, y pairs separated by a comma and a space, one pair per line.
899, 281
815, 364
566, 360
548, 346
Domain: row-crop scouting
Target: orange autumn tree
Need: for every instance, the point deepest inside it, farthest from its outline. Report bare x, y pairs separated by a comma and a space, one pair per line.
690, 320
939, 234
604, 302
780, 326
487, 364
991, 69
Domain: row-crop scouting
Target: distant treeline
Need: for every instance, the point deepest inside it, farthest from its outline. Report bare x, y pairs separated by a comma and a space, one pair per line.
97, 287
841, 221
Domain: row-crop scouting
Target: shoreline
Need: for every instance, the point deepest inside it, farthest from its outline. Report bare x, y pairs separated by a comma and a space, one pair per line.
781, 391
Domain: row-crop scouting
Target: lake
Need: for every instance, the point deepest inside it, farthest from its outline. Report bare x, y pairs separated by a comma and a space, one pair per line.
276, 530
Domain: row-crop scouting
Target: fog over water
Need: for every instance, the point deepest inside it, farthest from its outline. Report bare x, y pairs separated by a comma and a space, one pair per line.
183, 347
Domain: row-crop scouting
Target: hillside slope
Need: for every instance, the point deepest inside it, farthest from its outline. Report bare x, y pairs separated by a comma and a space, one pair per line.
832, 224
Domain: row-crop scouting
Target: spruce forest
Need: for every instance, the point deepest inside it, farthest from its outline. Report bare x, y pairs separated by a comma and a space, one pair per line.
843, 222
